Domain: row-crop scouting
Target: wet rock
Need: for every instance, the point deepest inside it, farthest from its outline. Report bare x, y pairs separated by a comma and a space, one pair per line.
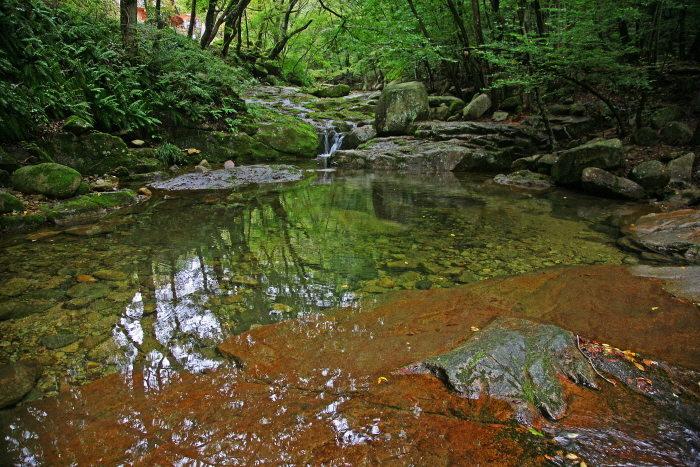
672, 234
525, 179
602, 154
105, 351
645, 136
386, 283
602, 183
454, 104
422, 156
9, 203
201, 169
467, 277
91, 290
676, 134
400, 105
103, 185
16, 380
677, 198
479, 105
205, 164
229, 164
514, 360
53, 180
650, 175
229, 178
90, 230
430, 268
358, 136
440, 113
423, 285
143, 191
56, 341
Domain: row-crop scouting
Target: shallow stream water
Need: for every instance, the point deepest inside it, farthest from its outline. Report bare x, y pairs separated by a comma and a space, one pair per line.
170, 278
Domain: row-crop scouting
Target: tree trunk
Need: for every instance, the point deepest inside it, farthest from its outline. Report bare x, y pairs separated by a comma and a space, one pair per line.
127, 17
193, 19
209, 22
159, 15
611, 106
545, 119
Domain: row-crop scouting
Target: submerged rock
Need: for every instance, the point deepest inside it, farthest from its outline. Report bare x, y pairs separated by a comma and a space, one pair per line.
16, 380
515, 360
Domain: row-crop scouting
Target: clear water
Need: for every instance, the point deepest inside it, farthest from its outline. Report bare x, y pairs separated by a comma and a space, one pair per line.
179, 273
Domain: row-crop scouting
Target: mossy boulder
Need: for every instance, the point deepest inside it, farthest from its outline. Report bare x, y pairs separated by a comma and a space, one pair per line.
601, 183
53, 180
645, 136
650, 175
665, 115
512, 104
90, 153
603, 154
5, 178
32, 155
298, 139
399, 106
77, 125
21, 222
87, 208
338, 90
676, 134
9, 203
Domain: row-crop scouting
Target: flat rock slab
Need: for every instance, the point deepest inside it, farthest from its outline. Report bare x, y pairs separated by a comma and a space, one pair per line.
319, 390
230, 178
515, 360
673, 234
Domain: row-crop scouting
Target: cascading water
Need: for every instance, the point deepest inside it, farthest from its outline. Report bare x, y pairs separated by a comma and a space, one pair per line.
332, 140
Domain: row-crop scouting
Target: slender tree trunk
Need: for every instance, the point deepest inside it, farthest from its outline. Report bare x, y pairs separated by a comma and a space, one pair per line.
127, 17
159, 15
193, 19
618, 118
476, 17
209, 21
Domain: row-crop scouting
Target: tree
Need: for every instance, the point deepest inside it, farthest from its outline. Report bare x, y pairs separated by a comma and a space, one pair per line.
127, 15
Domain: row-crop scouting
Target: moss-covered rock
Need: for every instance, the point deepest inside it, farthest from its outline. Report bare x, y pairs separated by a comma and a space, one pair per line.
9, 203
338, 90
87, 208
603, 154
21, 222
645, 136
7, 162
5, 178
77, 125
676, 134
400, 105
298, 139
91, 153
28, 155
672, 113
53, 180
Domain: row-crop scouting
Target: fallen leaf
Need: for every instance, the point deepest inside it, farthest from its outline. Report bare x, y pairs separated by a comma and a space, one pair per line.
381, 378
583, 464
648, 362
639, 366
572, 456
535, 432
655, 308
474, 328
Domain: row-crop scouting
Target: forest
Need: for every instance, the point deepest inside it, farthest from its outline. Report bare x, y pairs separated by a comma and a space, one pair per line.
131, 66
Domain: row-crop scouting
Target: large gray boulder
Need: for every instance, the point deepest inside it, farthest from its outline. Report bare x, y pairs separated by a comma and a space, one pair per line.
681, 170
515, 360
424, 156
336, 90
650, 175
645, 136
52, 180
603, 154
455, 104
399, 106
357, 136
601, 183
477, 107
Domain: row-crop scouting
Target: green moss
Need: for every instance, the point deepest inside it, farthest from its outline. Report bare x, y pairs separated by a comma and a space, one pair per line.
54, 180
9, 203
112, 200
21, 222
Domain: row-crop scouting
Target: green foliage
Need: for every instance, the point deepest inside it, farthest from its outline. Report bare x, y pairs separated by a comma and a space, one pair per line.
170, 154
62, 61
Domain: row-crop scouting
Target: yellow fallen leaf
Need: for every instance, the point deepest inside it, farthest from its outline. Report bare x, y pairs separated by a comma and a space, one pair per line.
655, 308
572, 456
345, 286
639, 366
474, 328
583, 464
381, 378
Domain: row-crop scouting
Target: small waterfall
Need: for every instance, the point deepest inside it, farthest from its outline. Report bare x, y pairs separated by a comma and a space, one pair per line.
332, 140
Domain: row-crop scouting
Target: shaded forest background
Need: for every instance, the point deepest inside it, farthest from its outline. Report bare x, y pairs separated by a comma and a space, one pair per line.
97, 60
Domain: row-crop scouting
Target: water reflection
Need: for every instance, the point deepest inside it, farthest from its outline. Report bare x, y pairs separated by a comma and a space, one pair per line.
176, 275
